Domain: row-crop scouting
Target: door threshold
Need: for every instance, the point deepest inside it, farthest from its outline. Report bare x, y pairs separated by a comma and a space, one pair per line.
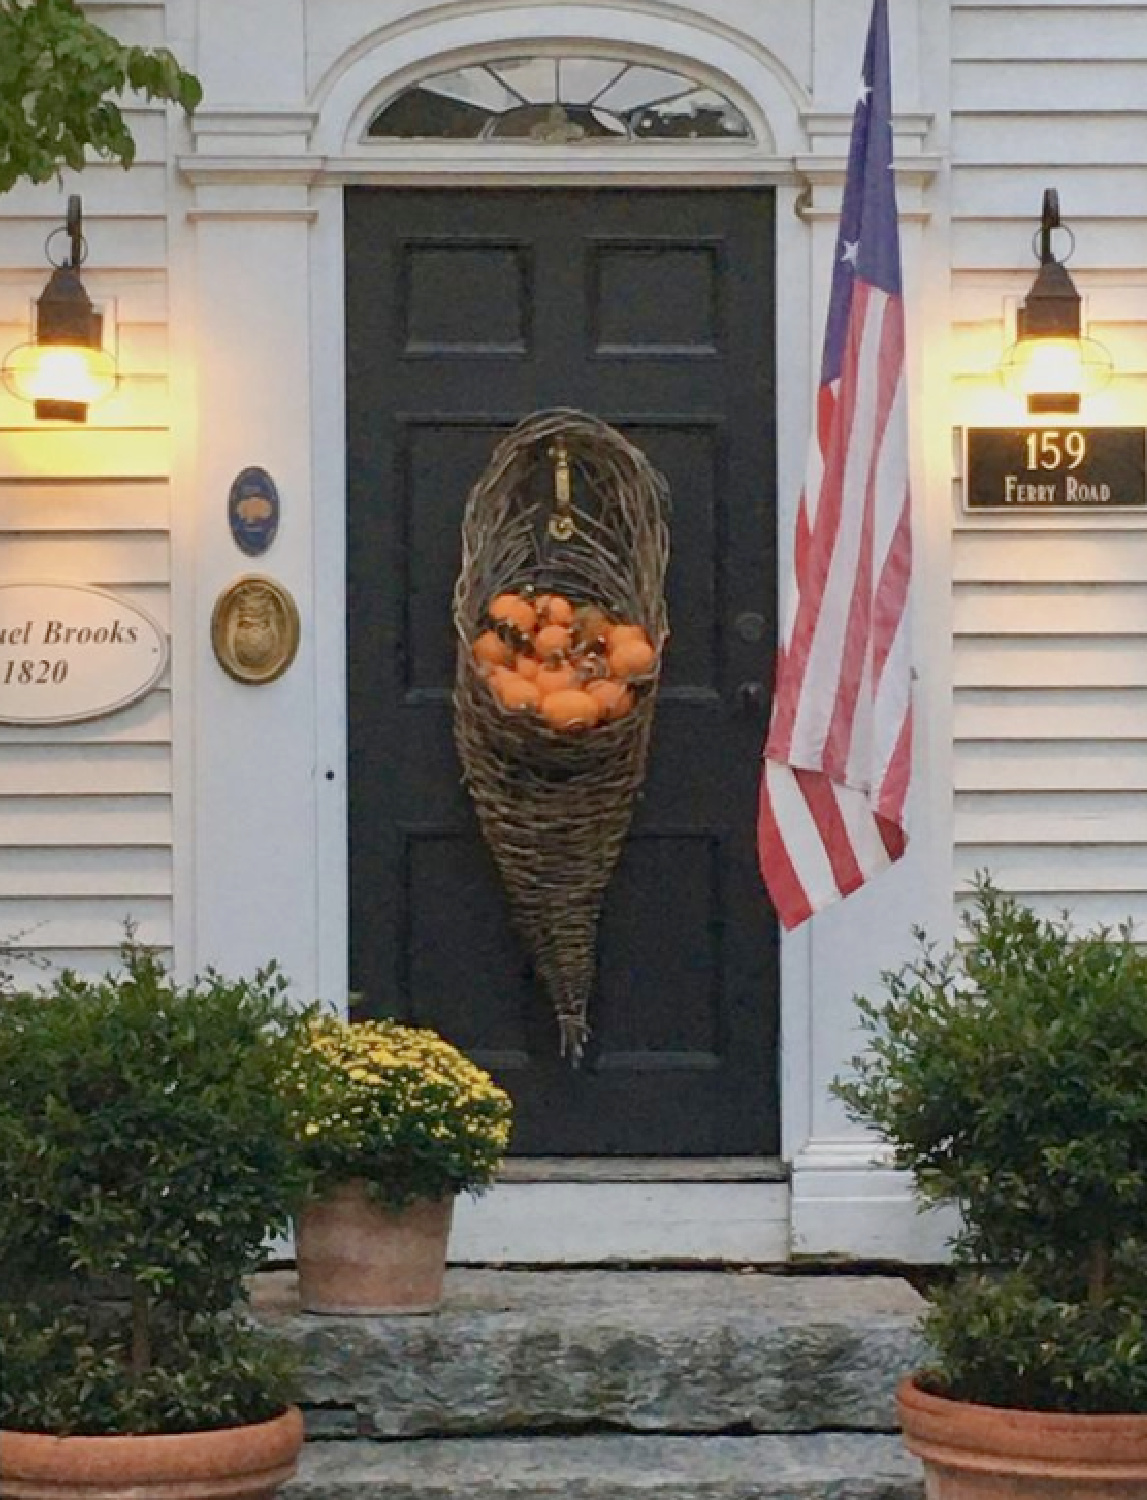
644, 1169
627, 1212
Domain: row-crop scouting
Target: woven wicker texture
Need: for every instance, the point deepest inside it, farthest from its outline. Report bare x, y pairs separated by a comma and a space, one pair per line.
554, 806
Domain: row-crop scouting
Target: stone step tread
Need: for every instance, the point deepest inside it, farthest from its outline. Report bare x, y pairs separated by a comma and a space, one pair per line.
641, 1298
822, 1466
514, 1351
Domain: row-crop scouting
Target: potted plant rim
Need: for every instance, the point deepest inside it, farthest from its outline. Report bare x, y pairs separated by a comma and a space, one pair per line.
146, 1150
393, 1123
1009, 1075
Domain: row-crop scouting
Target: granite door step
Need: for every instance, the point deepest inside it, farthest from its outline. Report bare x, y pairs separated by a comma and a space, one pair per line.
853, 1466
607, 1385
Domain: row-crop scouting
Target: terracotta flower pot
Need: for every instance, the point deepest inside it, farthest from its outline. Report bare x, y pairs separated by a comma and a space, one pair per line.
230, 1463
356, 1256
973, 1452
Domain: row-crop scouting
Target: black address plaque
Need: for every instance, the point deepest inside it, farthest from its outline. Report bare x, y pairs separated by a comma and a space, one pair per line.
1056, 468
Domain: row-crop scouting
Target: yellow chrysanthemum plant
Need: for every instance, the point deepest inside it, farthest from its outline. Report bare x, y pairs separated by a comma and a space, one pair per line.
398, 1108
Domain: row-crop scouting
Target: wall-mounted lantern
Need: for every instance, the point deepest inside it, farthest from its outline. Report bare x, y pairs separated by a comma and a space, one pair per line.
66, 367
1051, 362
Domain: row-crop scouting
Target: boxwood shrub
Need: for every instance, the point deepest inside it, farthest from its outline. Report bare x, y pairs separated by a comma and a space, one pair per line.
1009, 1073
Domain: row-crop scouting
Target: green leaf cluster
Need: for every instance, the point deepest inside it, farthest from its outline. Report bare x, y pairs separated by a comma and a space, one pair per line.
1008, 1075
64, 1372
60, 77
1008, 1339
146, 1151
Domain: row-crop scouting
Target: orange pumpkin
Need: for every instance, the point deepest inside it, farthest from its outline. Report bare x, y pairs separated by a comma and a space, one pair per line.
490, 651
555, 679
631, 657
514, 610
626, 631
555, 609
614, 699
553, 640
571, 708
514, 692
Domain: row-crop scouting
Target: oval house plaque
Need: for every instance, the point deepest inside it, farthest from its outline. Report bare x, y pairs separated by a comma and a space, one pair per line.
253, 510
70, 652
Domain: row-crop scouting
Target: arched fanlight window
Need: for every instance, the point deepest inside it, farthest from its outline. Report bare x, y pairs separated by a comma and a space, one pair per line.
560, 99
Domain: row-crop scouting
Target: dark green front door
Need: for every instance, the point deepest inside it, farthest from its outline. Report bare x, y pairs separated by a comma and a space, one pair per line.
653, 309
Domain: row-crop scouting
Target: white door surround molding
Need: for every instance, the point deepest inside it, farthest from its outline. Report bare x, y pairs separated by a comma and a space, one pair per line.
259, 317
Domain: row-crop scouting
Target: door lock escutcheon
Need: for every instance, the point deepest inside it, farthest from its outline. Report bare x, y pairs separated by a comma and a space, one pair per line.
751, 698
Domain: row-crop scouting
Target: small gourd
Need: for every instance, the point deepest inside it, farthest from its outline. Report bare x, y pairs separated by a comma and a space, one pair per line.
512, 609
570, 709
491, 651
631, 656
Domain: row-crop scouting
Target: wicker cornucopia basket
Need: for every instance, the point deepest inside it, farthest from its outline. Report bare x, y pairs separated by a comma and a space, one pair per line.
566, 506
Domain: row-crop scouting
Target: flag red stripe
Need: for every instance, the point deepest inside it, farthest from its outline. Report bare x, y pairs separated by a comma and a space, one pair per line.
785, 887
894, 787
820, 795
892, 591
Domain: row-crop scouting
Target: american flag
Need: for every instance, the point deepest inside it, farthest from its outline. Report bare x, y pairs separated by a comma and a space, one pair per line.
838, 756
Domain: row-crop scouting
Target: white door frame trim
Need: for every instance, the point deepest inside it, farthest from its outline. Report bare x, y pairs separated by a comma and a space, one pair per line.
287, 168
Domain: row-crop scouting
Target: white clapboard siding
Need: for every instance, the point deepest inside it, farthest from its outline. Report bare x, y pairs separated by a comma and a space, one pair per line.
1060, 86
33, 822
79, 506
147, 722
1050, 662
1040, 817
83, 770
995, 192
143, 24
55, 453
1084, 32
1115, 243
1036, 714
1050, 765
85, 809
1054, 868
994, 137
1050, 612
129, 241
1080, 609
106, 188
86, 922
119, 557
1028, 554
122, 872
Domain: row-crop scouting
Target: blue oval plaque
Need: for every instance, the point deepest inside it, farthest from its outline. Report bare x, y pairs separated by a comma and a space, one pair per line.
253, 511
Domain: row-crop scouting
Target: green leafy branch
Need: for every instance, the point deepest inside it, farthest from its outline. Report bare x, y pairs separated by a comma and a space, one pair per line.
60, 75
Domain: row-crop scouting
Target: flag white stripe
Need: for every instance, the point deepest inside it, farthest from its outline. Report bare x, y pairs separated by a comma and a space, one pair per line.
863, 834
803, 840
